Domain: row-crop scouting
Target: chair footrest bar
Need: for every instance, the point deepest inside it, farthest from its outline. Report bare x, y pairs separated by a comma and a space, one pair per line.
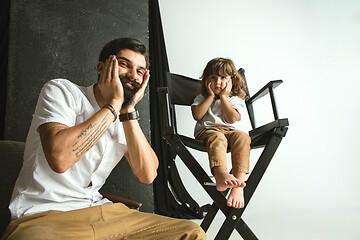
212, 184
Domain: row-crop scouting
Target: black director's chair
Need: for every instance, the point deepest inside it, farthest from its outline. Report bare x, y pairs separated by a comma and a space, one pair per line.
181, 90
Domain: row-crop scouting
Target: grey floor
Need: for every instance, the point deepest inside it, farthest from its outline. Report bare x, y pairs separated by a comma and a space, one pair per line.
310, 224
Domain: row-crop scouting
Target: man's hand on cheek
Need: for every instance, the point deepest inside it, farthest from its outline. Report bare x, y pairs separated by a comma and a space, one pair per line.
109, 83
140, 94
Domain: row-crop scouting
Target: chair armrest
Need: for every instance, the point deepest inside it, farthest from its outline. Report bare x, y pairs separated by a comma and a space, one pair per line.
268, 88
263, 91
117, 199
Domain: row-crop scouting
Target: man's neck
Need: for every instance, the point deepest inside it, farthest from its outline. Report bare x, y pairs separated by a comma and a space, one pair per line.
99, 99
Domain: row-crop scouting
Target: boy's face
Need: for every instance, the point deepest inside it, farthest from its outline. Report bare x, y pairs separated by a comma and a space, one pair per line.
218, 82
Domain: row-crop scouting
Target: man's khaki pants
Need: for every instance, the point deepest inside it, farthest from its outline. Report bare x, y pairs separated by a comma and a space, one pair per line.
108, 221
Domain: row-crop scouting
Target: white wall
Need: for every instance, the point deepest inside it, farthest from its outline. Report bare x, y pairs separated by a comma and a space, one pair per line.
314, 47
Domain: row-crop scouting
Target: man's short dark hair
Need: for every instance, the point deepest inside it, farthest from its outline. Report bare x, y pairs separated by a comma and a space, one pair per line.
115, 46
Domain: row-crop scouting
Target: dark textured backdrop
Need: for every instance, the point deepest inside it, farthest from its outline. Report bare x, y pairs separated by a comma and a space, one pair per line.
51, 39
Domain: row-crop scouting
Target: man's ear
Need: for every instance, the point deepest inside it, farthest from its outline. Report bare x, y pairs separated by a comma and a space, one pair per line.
100, 67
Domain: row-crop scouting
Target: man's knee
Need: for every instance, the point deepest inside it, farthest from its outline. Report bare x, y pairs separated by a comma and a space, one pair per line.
194, 231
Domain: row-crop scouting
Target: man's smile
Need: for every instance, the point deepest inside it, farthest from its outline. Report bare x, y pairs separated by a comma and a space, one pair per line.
129, 85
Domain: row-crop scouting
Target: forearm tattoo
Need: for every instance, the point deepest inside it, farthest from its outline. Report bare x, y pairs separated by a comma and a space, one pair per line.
89, 137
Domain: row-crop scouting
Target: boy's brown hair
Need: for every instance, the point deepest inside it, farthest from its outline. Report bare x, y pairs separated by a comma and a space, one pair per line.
224, 66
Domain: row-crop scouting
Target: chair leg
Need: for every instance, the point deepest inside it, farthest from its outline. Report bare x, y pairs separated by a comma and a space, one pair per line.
244, 231
205, 224
197, 171
262, 163
233, 216
229, 224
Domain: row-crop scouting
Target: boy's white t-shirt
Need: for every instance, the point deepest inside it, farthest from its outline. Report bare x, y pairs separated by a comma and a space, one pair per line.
214, 116
38, 188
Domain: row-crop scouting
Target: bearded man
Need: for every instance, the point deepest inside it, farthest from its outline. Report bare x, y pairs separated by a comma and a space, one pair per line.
77, 136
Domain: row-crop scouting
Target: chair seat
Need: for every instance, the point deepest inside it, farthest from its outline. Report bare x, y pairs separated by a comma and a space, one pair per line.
257, 136
195, 143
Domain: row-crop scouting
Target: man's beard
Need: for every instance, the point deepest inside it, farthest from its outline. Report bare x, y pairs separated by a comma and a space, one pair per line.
129, 93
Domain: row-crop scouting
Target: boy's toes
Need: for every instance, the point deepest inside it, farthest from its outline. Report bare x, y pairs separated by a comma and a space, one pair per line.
234, 203
233, 183
239, 204
229, 203
229, 183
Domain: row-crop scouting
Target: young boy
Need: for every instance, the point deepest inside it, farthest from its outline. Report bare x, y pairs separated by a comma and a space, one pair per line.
217, 110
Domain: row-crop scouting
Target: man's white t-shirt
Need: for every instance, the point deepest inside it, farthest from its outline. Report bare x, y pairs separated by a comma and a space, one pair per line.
214, 116
38, 188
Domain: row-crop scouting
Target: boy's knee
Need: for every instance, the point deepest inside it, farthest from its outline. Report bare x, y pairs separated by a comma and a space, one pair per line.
243, 137
247, 138
217, 139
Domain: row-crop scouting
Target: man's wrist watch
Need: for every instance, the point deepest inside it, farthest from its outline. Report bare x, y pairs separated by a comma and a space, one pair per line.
129, 116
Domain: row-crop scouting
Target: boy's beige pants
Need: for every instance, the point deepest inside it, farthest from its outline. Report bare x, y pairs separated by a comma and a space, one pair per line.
108, 221
217, 140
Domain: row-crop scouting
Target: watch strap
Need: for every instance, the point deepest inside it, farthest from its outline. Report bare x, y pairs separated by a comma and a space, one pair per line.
129, 116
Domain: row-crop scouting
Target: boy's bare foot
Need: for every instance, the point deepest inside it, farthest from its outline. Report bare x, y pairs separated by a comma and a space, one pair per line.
237, 183
225, 180
236, 198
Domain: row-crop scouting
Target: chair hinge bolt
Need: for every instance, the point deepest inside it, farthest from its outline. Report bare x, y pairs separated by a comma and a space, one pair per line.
234, 217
